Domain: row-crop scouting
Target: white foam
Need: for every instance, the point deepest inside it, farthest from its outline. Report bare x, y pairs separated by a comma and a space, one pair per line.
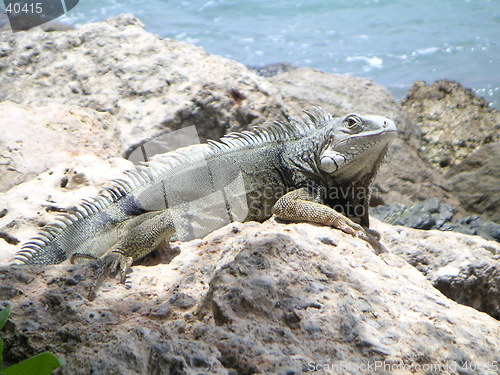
373, 62
426, 51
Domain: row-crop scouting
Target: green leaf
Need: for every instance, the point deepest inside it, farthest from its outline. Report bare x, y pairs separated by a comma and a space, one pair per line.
4, 315
41, 364
1, 355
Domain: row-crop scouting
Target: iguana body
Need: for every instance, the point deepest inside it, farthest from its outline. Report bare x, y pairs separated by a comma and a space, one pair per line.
317, 170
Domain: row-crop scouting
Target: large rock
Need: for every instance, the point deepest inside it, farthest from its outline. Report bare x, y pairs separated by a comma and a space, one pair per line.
476, 181
36, 138
147, 83
253, 298
464, 268
454, 121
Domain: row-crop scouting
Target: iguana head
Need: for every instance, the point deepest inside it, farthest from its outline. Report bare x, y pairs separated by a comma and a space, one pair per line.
356, 145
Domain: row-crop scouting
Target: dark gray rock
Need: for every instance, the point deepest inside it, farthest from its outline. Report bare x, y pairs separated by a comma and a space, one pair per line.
429, 214
435, 214
475, 225
386, 211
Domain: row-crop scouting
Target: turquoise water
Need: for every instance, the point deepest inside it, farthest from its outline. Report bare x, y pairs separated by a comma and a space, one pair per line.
394, 42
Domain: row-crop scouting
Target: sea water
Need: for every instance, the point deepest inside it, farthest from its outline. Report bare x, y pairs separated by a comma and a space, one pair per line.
394, 42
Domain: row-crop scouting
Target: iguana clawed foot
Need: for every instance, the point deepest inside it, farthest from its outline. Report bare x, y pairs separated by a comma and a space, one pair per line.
369, 235
109, 265
301, 205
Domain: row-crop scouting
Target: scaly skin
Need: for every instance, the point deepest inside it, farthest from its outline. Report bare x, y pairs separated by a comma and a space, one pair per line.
317, 170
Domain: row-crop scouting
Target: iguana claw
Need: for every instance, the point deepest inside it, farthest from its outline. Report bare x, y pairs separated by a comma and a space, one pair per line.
111, 264
369, 235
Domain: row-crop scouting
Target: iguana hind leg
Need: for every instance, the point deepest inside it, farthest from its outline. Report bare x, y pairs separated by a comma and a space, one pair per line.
142, 234
301, 205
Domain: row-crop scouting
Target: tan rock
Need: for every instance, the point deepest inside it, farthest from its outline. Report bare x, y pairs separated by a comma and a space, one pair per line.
252, 298
28, 206
34, 139
465, 268
476, 181
147, 83
454, 121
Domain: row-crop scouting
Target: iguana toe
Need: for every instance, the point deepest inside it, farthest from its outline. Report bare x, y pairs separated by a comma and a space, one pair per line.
369, 235
110, 265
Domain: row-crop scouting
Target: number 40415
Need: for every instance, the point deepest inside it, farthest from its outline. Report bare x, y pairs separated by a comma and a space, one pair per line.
33, 8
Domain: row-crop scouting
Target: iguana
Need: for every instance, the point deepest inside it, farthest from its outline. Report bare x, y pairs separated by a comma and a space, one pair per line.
318, 169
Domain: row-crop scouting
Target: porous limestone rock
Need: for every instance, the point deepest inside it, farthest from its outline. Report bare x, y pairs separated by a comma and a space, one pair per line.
36, 138
252, 299
30, 205
454, 120
476, 181
147, 83
465, 268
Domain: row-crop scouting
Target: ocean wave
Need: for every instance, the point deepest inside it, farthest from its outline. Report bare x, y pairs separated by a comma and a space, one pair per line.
372, 62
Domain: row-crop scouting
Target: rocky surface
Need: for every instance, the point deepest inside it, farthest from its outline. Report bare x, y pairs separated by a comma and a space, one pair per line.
37, 138
464, 268
257, 298
249, 298
476, 181
147, 83
454, 121
434, 214
467, 273
28, 206
461, 137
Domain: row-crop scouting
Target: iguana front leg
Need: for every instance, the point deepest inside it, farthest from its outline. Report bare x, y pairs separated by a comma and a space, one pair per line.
301, 205
142, 234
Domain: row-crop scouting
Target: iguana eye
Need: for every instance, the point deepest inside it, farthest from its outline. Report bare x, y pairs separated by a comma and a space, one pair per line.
352, 121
